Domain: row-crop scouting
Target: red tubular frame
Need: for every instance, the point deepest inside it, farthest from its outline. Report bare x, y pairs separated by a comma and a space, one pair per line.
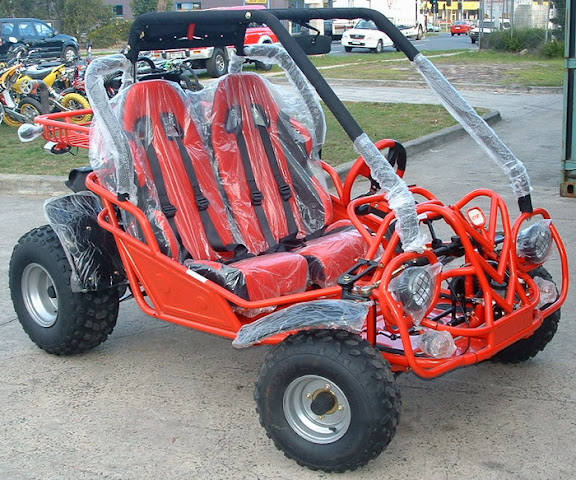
59, 128
166, 289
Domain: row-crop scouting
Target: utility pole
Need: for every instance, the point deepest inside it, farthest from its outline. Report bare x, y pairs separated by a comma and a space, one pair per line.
569, 126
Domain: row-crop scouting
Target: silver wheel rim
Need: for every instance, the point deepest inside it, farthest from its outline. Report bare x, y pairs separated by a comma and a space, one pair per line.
39, 295
220, 63
320, 429
69, 55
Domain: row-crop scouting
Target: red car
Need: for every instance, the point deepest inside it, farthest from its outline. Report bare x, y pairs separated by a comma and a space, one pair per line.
460, 26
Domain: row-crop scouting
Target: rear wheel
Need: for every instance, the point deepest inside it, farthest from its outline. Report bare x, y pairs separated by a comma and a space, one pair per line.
29, 108
217, 64
328, 400
57, 319
527, 348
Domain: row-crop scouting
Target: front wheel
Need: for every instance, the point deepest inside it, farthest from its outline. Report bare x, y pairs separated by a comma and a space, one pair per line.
348, 49
217, 64
328, 400
57, 319
379, 47
527, 348
69, 54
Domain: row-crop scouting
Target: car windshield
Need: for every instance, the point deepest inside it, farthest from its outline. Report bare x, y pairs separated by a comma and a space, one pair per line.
366, 25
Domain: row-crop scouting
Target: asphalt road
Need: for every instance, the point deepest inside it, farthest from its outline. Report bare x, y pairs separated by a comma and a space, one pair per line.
159, 401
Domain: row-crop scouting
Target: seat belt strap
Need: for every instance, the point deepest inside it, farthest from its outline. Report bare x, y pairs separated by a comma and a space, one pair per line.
234, 125
263, 124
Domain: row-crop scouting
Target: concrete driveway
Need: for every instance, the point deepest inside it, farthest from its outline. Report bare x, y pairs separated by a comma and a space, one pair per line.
158, 401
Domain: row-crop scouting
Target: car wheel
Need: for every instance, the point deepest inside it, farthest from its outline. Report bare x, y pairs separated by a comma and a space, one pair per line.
452, 34
379, 47
57, 319
348, 49
69, 54
217, 64
328, 400
473, 40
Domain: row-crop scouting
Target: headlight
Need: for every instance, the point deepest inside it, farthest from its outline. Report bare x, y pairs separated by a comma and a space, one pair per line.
415, 288
534, 243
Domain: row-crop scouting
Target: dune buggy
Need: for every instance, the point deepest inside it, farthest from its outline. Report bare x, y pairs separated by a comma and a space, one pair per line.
212, 207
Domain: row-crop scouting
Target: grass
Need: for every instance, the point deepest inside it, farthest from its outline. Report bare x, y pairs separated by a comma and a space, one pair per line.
474, 67
31, 159
402, 122
399, 121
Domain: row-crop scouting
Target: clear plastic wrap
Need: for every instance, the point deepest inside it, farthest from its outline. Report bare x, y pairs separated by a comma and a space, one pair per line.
415, 288
437, 344
28, 132
150, 120
110, 154
337, 251
276, 55
257, 278
548, 291
91, 250
336, 314
263, 155
534, 243
478, 129
399, 197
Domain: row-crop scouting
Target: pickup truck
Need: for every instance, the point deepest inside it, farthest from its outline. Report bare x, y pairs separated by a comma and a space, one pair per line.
215, 59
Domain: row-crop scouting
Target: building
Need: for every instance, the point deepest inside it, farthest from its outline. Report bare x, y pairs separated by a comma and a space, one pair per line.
523, 13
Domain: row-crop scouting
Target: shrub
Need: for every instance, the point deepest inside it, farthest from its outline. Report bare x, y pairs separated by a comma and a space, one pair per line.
115, 33
553, 49
517, 40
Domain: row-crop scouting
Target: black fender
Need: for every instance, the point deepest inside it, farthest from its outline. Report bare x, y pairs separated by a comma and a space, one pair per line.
91, 250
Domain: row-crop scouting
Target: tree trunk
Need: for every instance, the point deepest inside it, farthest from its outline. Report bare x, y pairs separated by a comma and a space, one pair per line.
162, 5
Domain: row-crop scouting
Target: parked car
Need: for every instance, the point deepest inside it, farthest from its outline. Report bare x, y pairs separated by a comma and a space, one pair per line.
460, 27
34, 33
430, 27
365, 34
487, 26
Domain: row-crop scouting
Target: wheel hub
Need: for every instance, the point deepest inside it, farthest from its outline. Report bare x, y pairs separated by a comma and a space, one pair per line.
317, 409
39, 295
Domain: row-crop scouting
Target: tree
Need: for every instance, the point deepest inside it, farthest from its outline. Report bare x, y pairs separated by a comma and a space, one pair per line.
144, 6
79, 17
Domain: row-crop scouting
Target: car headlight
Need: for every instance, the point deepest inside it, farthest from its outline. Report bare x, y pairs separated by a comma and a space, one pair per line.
415, 289
534, 243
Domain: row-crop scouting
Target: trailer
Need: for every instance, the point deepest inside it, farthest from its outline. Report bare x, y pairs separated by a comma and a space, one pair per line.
405, 14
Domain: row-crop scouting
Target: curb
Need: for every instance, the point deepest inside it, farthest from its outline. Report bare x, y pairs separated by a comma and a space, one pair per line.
53, 185
459, 86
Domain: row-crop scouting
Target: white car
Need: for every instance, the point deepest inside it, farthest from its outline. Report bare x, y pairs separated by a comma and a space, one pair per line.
365, 34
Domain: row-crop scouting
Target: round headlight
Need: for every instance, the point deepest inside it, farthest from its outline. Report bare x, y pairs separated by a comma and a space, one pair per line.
415, 288
534, 243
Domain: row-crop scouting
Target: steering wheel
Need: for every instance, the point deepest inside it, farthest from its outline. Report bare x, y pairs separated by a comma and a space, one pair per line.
149, 62
396, 156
